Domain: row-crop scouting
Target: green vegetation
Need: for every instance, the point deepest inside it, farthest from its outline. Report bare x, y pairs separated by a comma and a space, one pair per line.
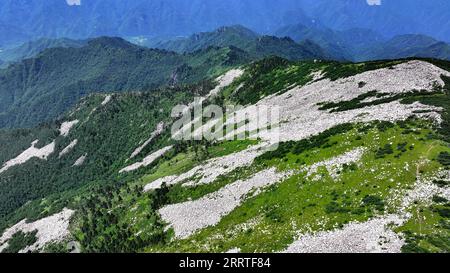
103, 226
386, 150
277, 75
270, 76
440, 99
113, 214
20, 241
428, 231
299, 147
378, 98
33, 48
320, 201
107, 134
337, 71
444, 158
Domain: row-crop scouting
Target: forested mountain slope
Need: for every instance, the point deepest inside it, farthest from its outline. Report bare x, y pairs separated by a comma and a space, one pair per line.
42, 88
363, 153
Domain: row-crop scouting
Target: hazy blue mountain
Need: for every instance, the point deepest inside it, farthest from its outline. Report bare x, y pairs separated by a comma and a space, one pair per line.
412, 45
22, 20
350, 44
365, 44
33, 48
54, 18
256, 45
439, 50
391, 18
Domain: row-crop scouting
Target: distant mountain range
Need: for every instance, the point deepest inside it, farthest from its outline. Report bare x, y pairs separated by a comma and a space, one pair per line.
258, 46
389, 18
293, 42
412, 45
25, 20
365, 44
313, 41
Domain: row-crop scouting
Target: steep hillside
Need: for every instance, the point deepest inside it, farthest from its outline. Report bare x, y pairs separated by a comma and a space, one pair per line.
238, 36
42, 88
360, 151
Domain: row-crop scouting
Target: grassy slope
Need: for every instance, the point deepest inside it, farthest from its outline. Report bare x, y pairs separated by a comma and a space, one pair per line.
271, 220
297, 200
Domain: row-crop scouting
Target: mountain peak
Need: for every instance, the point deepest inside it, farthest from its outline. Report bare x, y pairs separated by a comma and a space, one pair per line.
239, 29
115, 42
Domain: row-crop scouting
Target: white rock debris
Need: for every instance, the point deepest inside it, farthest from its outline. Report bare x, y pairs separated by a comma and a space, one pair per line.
66, 126
234, 250
159, 129
106, 100
30, 153
335, 164
80, 161
50, 229
300, 116
424, 190
211, 169
68, 148
147, 161
317, 75
373, 236
188, 217
225, 80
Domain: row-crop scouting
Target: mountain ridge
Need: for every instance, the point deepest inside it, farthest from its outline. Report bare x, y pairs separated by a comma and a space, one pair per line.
241, 37
61, 76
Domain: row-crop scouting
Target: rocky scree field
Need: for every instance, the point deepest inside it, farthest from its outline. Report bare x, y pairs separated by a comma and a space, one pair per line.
362, 166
